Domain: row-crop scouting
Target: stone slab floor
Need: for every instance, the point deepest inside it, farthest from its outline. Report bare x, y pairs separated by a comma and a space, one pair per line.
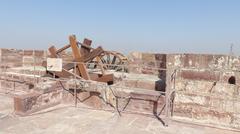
63, 119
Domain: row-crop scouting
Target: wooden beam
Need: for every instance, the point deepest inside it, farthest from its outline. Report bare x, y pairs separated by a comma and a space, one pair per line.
68, 66
90, 56
63, 73
99, 62
77, 55
63, 48
105, 78
85, 50
53, 52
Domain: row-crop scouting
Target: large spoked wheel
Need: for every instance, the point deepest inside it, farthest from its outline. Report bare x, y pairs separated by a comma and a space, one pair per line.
113, 61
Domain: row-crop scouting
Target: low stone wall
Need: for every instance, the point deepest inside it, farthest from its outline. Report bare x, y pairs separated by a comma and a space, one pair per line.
203, 101
44, 95
31, 93
11, 82
203, 61
207, 89
148, 63
138, 100
18, 58
118, 97
24, 58
40, 93
206, 86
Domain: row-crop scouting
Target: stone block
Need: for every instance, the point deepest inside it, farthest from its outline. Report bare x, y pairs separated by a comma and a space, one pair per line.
7, 85
182, 110
135, 56
175, 61
194, 86
234, 63
220, 62
200, 75
38, 53
144, 84
148, 57
34, 101
221, 118
225, 89
161, 60
28, 61
23, 104
151, 85
191, 61
140, 106
28, 53
236, 120
48, 86
92, 99
192, 99
202, 113
237, 107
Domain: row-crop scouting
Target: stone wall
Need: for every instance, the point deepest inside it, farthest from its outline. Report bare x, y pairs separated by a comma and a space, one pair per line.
117, 97
33, 57
25, 58
17, 58
207, 88
11, 57
16, 61
44, 95
148, 63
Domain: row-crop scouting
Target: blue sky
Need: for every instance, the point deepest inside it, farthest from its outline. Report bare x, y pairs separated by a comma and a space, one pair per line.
169, 26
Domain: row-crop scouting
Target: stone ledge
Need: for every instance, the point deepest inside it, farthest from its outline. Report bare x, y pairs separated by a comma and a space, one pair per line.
37, 100
200, 75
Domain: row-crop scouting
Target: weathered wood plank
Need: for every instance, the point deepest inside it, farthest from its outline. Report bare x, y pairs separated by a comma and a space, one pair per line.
77, 55
105, 78
53, 52
85, 49
63, 48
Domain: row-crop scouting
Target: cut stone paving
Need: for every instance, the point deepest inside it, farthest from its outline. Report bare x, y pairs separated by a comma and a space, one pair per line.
69, 119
